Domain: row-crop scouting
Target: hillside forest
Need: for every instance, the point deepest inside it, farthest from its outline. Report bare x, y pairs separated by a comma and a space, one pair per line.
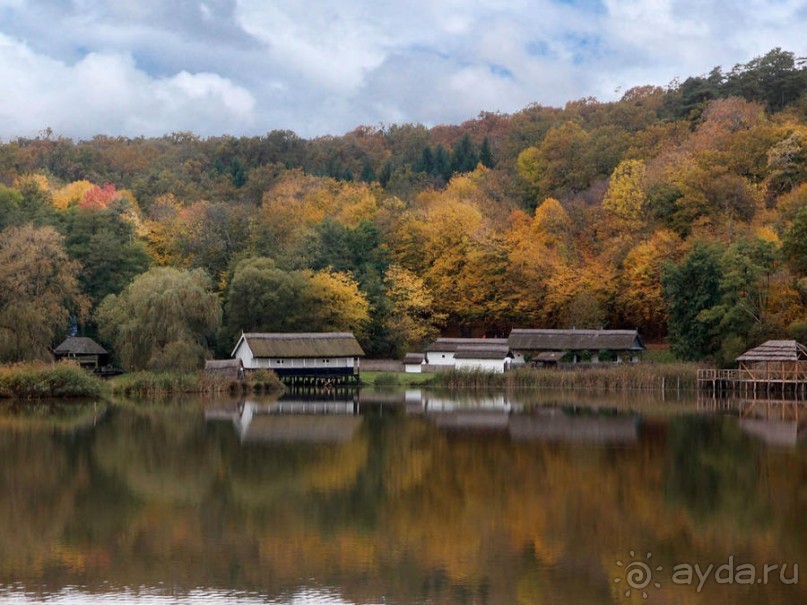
680, 211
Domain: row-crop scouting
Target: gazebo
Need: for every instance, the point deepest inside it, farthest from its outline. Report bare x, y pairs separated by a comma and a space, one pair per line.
775, 361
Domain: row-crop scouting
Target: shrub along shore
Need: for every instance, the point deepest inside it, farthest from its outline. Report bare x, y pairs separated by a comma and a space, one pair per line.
65, 381
40, 381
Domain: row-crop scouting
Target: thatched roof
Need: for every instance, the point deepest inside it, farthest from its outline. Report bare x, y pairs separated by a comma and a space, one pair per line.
775, 350
79, 345
223, 364
302, 345
413, 358
494, 351
450, 345
575, 340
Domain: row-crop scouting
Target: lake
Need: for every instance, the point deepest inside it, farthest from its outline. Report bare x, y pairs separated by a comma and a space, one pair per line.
404, 497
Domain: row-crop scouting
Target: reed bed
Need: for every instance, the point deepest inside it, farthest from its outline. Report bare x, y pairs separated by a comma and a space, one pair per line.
615, 377
47, 381
159, 384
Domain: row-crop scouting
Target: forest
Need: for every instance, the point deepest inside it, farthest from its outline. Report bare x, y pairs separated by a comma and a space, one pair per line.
678, 210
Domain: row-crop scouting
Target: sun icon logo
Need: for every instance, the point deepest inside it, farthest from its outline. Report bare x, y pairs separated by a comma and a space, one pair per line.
638, 574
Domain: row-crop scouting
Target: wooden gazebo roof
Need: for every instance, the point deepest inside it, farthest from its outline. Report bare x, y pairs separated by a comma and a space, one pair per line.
775, 351
79, 345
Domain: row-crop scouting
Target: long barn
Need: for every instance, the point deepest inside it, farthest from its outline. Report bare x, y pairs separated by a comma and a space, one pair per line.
331, 357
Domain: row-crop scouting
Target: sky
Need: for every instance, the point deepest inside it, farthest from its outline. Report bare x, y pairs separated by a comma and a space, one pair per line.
316, 67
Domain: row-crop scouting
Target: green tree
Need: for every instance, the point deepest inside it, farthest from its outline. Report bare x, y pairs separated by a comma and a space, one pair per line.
486, 155
794, 244
162, 320
463, 156
691, 288
10, 202
39, 292
263, 298
104, 242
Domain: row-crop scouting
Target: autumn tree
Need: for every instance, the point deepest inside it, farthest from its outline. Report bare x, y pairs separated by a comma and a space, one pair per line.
164, 319
412, 321
625, 197
641, 295
39, 292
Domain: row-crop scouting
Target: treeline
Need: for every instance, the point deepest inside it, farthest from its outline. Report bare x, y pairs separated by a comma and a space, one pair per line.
680, 211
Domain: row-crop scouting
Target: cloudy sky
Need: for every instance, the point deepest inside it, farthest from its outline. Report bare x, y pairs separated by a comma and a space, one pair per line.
243, 67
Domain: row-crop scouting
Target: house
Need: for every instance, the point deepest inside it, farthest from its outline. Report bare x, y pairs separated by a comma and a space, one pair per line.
331, 356
493, 356
443, 351
88, 353
546, 347
230, 368
413, 363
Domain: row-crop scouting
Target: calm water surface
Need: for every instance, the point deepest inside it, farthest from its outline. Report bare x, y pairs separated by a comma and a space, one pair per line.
403, 498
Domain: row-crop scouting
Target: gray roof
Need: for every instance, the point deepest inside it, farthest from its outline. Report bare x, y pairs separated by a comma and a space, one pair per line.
776, 350
450, 345
303, 344
575, 340
495, 351
222, 364
79, 345
411, 358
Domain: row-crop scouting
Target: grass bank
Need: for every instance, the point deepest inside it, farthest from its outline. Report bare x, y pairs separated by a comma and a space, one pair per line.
393, 379
159, 384
41, 381
643, 376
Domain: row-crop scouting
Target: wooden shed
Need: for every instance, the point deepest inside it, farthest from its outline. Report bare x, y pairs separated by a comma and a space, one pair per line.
85, 351
775, 361
578, 345
329, 356
230, 368
413, 363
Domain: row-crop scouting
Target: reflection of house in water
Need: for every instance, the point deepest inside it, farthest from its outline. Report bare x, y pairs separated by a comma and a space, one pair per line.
490, 413
554, 425
293, 421
773, 432
776, 421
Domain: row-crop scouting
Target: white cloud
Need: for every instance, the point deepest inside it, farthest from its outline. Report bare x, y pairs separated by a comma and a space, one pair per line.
106, 93
318, 67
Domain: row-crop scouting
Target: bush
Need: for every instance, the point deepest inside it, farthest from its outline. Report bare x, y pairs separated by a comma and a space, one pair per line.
387, 379
38, 381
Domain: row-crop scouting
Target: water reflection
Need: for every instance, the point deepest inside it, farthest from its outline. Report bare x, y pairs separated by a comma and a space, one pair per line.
405, 497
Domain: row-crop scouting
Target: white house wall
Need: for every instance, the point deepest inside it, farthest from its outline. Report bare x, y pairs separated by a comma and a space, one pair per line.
441, 358
244, 353
484, 365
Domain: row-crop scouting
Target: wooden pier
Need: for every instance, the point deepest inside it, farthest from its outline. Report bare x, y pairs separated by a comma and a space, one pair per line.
776, 367
788, 381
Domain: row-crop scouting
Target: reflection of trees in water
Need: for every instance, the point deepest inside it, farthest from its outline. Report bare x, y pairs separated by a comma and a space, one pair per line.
713, 468
401, 509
